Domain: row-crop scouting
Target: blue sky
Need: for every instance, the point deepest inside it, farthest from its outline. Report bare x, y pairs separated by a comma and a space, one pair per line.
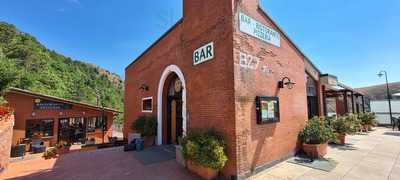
351, 39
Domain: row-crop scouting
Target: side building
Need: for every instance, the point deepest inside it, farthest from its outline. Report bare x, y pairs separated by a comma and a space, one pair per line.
56, 119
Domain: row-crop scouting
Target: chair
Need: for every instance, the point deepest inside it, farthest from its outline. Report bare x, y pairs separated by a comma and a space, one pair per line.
38, 146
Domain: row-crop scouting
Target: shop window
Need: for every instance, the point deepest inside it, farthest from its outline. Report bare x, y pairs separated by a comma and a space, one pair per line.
42, 127
147, 104
91, 124
101, 123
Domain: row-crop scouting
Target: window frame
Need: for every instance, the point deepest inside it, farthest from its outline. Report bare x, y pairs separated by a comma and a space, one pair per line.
41, 130
142, 105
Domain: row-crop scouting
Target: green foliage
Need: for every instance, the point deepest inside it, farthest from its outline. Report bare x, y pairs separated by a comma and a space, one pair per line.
317, 131
27, 64
50, 153
342, 125
368, 119
147, 126
206, 149
63, 144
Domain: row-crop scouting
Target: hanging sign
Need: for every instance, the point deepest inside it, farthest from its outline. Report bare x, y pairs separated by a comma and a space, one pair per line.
203, 54
256, 29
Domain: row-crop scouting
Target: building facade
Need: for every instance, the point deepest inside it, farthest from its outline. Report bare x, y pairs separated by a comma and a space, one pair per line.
226, 65
55, 119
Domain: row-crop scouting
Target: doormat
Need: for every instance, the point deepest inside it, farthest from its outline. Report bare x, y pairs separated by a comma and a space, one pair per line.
320, 164
155, 154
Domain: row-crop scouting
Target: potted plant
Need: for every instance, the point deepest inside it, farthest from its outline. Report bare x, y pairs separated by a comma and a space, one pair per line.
63, 147
147, 127
204, 153
50, 153
315, 137
341, 126
367, 120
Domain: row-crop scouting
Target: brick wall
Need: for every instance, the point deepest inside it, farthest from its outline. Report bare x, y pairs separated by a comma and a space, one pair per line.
220, 93
262, 144
6, 131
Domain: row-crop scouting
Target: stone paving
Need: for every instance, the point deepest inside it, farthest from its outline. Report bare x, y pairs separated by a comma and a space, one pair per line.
372, 156
104, 164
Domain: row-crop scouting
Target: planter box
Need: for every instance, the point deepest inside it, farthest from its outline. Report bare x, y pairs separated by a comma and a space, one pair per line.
315, 151
205, 173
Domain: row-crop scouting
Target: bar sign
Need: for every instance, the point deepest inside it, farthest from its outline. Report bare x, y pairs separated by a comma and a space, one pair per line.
203, 54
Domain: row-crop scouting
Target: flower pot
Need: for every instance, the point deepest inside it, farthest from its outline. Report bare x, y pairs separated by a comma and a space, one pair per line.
204, 172
341, 138
365, 128
149, 141
315, 150
179, 155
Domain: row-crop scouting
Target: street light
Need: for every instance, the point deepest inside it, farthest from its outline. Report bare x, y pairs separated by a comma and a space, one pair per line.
389, 96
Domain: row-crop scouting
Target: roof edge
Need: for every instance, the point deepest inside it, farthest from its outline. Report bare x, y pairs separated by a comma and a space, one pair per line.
27, 92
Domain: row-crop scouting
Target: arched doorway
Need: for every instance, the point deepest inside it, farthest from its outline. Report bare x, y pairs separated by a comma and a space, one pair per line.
171, 106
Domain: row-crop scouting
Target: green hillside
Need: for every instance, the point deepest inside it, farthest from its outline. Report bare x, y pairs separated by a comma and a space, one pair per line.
25, 63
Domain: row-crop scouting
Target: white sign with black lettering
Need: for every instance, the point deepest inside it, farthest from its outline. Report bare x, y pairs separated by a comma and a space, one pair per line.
258, 30
203, 54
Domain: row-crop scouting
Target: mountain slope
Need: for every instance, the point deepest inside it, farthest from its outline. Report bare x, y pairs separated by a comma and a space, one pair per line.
379, 92
25, 63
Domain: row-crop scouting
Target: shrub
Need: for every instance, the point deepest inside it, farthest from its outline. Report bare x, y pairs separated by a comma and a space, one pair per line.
206, 149
50, 153
147, 126
368, 119
63, 144
317, 131
342, 125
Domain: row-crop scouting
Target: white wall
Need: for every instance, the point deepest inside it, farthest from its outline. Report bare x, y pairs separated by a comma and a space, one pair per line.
381, 108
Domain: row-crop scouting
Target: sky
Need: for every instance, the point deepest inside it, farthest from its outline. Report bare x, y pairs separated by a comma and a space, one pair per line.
352, 39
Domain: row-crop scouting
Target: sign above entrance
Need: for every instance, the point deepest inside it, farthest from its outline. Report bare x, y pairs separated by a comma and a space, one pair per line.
256, 29
203, 54
50, 105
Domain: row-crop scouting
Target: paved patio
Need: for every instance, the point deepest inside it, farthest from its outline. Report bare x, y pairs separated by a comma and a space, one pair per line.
105, 164
370, 157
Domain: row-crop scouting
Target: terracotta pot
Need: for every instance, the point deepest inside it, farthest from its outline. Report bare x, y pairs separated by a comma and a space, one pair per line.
315, 150
341, 139
365, 128
149, 141
204, 172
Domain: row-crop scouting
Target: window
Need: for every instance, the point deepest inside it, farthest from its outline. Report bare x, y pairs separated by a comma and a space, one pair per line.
147, 104
100, 123
43, 127
91, 124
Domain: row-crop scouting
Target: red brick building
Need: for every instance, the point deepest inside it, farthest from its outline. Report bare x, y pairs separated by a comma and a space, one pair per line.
220, 67
57, 119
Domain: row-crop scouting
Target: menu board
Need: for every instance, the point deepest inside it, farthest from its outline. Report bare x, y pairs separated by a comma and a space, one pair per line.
267, 109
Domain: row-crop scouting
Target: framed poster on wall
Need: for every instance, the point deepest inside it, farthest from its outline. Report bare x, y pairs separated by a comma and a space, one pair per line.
267, 109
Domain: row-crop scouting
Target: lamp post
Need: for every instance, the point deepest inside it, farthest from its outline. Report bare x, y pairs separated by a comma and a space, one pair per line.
389, 96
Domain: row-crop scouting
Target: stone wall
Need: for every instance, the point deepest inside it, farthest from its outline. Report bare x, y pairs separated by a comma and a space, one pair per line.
6, 130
